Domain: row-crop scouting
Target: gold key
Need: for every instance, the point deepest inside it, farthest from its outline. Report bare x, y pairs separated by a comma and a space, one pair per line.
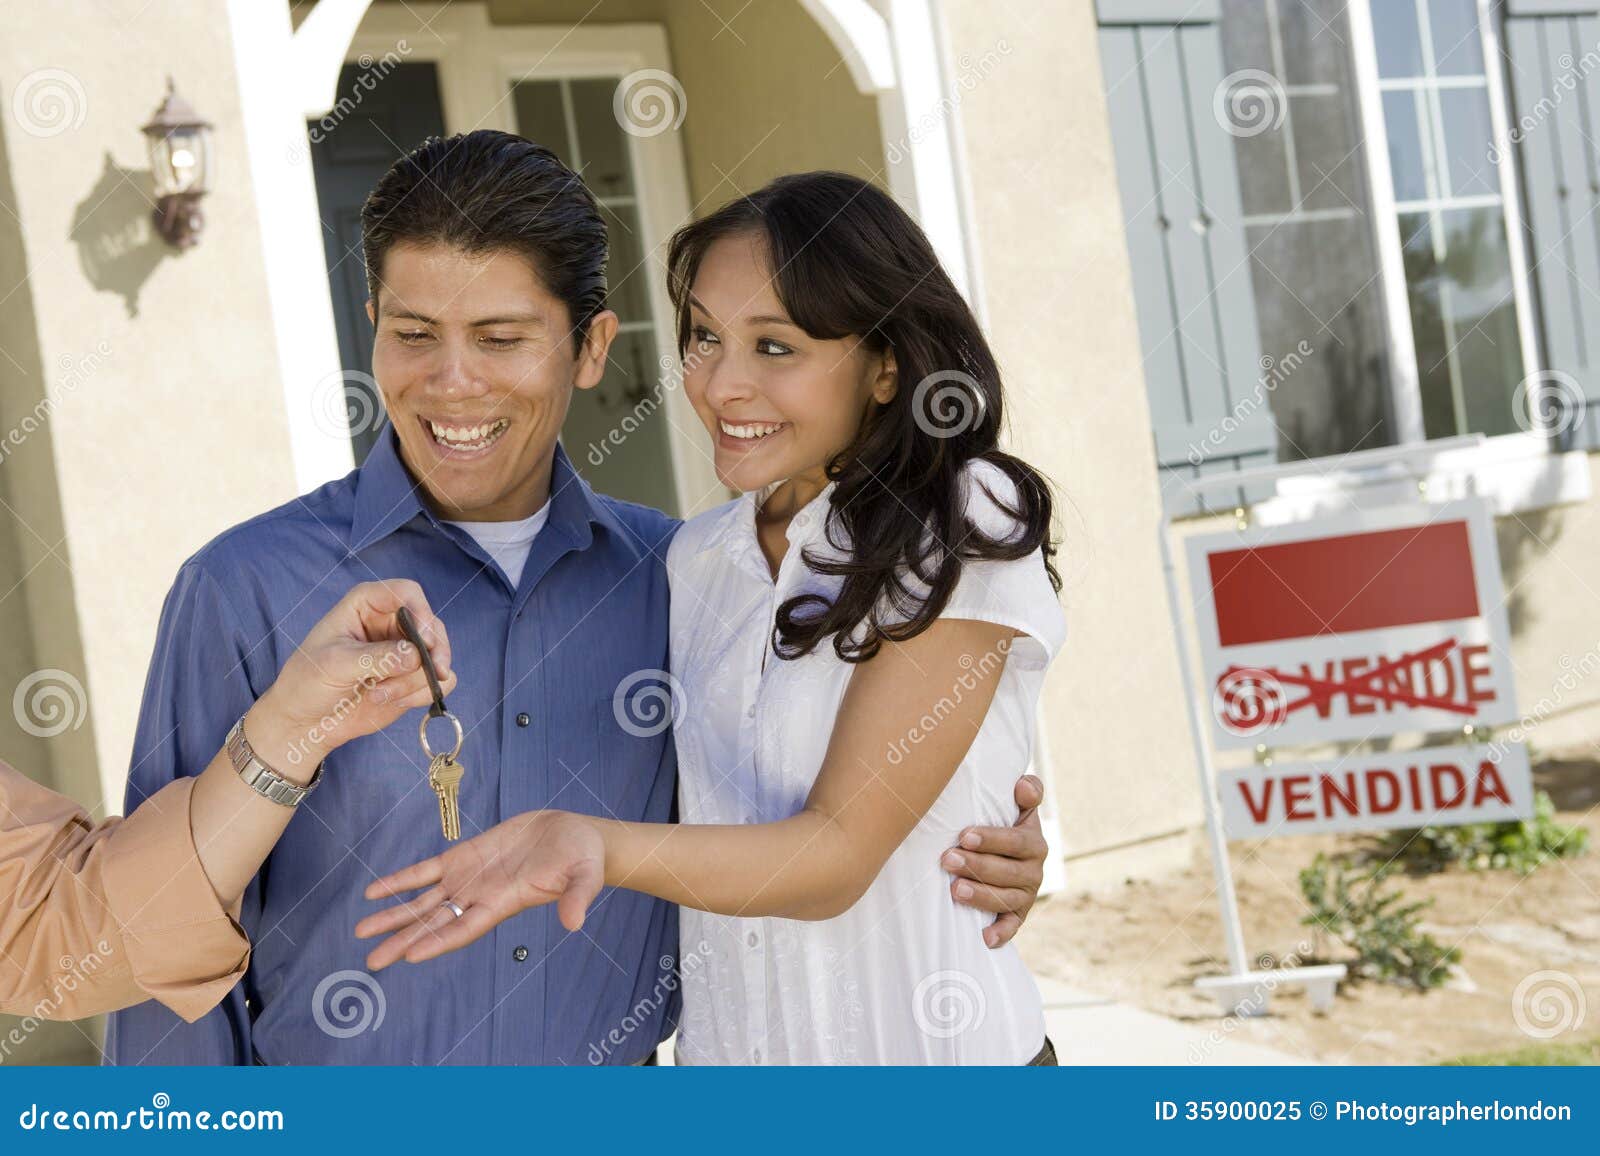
444, 773
444, 776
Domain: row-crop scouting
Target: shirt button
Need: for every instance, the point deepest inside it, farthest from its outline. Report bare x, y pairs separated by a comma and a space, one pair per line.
756, 1055
520, 954
752, 939
750, 712
523, 719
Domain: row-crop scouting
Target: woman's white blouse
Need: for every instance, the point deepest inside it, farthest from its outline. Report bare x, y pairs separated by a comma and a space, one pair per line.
903, 976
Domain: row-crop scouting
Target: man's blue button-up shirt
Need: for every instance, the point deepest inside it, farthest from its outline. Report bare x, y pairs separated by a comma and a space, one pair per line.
538, 666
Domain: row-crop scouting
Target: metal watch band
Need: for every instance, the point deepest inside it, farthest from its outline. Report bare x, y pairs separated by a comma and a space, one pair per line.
262, 779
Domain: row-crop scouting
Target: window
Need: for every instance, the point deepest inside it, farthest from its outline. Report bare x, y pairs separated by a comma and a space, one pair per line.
1314, 202
1308, 221
1452, 220
573, 117
1367, 163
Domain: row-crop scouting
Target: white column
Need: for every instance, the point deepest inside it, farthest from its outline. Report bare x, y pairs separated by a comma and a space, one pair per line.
270, 94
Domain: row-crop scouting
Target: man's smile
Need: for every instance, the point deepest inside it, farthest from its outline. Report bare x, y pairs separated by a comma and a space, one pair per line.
459, 440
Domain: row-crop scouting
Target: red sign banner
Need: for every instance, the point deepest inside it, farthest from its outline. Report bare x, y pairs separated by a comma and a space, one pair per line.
1369, 624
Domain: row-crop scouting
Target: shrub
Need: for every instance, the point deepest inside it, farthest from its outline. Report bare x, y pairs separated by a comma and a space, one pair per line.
1352, 907
1522, 845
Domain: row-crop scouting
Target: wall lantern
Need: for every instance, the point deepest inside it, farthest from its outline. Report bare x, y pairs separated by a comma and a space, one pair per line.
180, 149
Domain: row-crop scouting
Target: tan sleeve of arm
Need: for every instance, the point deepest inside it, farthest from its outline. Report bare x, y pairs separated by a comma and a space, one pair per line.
102, 916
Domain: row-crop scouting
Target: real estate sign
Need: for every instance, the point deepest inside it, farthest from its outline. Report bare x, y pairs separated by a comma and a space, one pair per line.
1433, 786
1353, 627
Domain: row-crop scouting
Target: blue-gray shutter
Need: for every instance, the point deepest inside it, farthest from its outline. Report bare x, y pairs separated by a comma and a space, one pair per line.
1162, 63
1554, 66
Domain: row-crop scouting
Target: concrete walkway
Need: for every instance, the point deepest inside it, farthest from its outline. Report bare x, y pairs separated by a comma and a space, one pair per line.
1088, 1029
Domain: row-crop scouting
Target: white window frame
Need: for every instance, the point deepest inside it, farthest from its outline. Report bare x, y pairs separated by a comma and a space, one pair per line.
1515, 471
478, 62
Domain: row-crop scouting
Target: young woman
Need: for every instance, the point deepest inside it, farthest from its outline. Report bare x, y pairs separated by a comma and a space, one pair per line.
859, 642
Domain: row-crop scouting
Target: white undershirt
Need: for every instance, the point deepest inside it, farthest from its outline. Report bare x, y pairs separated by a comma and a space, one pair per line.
508, 543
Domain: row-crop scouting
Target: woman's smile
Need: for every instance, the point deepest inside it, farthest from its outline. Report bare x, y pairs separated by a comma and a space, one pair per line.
746, 436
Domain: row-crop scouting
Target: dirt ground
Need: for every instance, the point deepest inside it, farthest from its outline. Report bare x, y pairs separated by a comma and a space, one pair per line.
1144, 943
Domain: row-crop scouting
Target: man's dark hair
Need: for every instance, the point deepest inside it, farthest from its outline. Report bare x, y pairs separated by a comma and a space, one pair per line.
485, 191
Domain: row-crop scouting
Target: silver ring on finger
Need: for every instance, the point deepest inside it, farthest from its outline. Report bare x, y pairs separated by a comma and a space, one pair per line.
453, 907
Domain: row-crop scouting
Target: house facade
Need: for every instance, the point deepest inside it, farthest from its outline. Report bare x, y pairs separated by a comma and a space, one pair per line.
1206, 236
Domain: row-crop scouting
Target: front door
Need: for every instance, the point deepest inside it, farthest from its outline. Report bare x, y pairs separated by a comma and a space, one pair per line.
350, 150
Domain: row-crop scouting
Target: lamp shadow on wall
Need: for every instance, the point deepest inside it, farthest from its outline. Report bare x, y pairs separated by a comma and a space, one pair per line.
118, 246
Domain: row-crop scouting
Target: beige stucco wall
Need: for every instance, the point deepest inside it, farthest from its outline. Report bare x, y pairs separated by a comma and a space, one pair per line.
1057, 285
166, 421
173, 424
1550, 560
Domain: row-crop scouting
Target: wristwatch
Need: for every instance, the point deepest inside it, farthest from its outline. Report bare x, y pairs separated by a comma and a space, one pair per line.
262, 779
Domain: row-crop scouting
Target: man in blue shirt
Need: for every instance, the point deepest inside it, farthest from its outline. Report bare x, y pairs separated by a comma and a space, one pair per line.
486, 268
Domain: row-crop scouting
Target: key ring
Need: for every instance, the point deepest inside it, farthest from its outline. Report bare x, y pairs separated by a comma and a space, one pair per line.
408, 626
422, 733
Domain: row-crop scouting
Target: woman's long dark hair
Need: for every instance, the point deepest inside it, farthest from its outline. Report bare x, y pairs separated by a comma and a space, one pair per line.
848, 261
